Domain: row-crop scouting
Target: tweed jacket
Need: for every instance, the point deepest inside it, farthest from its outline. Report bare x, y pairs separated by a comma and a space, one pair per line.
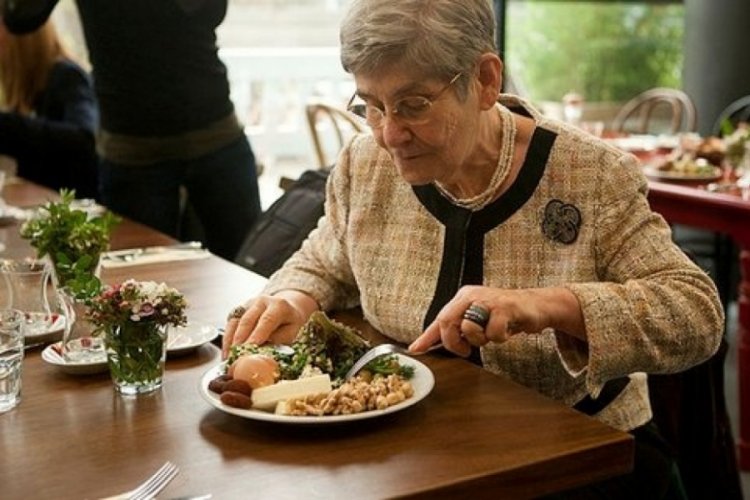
576, 216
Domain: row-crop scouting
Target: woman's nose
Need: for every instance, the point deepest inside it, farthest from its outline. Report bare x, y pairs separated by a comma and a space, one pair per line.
394, 132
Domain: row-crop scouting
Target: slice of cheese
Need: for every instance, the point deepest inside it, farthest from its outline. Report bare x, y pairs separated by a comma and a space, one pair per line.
265, 398
281, 408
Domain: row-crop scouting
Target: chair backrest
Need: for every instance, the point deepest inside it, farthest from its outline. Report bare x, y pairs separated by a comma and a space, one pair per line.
641, 110
690, 410
321, 117
281, 229
736, 112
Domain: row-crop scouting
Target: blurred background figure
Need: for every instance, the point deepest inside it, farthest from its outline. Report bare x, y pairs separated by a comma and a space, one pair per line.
169, 136
49, 114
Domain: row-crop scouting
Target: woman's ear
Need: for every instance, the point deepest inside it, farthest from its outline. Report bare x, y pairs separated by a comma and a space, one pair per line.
490, 78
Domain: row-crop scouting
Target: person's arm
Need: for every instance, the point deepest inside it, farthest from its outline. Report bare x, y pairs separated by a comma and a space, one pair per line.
276, 319
71, 135
24, 16
21, 135
316, 277
509, 312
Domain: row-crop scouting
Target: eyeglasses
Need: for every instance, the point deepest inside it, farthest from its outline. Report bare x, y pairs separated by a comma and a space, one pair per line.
412, 110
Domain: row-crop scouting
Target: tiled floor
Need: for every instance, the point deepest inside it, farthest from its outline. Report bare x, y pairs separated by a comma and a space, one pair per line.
270, 191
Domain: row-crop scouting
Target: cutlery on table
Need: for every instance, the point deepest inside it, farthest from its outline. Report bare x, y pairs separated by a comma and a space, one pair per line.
194, 497
130, 254
152, 255
151, 486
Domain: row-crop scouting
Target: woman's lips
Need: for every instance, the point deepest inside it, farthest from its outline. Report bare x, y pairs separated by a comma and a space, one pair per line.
407, 156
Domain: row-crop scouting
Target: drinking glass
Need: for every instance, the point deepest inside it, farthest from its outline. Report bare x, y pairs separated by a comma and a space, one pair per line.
26, 287
11, 355
79, 345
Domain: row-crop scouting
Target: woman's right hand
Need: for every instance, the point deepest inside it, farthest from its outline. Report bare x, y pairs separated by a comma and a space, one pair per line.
269, 318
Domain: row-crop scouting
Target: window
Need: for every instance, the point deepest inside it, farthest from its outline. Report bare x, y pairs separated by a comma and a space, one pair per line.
606, 51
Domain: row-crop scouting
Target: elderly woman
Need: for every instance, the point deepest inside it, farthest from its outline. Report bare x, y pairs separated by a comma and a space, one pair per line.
476, 222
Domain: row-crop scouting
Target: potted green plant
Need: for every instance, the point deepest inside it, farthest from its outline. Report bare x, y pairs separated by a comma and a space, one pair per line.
74, 242
737, 141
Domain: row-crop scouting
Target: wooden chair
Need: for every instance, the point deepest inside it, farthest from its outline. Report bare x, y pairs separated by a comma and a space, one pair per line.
691, 413
641, 110
322, 116
736, 112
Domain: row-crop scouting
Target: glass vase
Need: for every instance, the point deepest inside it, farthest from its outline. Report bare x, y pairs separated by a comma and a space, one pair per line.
136, 352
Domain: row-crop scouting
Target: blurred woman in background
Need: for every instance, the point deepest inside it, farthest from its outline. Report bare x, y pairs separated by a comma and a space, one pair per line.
49, 113
168, 125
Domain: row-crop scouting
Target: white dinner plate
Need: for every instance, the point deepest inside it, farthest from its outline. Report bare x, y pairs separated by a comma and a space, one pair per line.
53, 334
645, 143
422, 382
668, 175
634, 142
185, 339
51, 354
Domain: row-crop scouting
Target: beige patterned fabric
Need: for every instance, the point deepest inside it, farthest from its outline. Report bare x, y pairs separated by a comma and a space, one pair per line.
647, 308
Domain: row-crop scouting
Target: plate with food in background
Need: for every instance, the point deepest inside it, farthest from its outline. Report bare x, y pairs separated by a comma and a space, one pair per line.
683, 168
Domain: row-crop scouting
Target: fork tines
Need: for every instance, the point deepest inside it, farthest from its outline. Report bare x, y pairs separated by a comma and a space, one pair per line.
155, 483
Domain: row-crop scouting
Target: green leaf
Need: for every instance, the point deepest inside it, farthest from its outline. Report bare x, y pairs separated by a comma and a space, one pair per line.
727, 128
73, 241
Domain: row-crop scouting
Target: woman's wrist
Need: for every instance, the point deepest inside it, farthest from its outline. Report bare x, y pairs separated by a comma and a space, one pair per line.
561, 311
302, 302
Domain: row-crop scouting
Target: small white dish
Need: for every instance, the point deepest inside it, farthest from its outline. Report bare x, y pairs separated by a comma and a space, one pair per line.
52, 354
91, 207
186, 339
53, 334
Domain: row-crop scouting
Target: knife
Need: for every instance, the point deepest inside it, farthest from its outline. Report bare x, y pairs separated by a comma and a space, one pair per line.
129, 254
195, 497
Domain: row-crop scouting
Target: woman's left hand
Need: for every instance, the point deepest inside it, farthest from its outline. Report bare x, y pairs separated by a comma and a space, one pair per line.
508, 312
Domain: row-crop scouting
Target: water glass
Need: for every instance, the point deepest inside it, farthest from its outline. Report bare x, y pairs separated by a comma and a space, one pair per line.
79, 345
11, 355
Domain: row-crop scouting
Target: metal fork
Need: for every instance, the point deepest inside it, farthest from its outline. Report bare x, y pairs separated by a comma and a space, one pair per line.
383, 350
155, 483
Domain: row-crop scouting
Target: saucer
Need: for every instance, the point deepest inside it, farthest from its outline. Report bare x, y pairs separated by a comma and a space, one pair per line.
52, 355
186, 339
52, 334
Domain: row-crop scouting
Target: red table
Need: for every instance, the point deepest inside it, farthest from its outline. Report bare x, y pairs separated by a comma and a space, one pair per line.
729, 214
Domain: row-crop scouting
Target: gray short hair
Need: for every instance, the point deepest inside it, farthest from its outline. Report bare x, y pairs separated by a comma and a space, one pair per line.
438, 38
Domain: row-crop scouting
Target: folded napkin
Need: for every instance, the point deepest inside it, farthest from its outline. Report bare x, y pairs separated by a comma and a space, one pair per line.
153, 255
12, 215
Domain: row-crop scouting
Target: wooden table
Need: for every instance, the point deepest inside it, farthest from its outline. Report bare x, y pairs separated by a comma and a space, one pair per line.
729, 214
476, 434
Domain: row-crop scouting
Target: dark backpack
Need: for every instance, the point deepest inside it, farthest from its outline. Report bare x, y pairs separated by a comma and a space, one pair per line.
280, 230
